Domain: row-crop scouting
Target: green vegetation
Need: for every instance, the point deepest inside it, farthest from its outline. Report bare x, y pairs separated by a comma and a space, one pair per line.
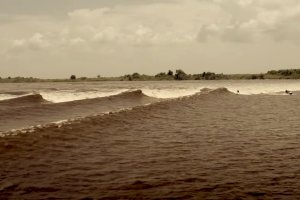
283, 74
170, 75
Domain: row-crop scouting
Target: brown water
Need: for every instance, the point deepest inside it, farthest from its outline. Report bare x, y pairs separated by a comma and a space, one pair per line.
216, 145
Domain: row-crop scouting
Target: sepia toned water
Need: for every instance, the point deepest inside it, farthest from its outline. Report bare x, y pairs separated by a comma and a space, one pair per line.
150, 140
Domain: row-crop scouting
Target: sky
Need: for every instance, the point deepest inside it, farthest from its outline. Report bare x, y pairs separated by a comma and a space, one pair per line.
57, 38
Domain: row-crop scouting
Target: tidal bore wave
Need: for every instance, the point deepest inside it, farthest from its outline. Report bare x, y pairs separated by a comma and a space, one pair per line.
211, 145
24, 100
26, 112
33, 110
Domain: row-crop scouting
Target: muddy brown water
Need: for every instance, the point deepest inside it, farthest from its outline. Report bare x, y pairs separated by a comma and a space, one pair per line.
209, 146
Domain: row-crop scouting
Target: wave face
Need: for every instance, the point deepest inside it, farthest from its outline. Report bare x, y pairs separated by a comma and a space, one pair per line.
215, 145
33, 110
24, 100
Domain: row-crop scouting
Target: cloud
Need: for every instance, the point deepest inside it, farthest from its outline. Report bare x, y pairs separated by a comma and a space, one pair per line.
35, 42
173, 22
149, 33
88, 15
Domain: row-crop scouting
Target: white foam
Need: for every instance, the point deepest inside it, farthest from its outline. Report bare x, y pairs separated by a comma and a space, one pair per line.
9, 96
67, 95
170, 93
58, 124
31, 129
162, 89
248, 87
262, 89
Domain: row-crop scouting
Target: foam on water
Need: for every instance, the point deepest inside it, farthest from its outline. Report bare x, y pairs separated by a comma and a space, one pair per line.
58, 123
164, 89
257, 87
170, 93
9, 96
69, 95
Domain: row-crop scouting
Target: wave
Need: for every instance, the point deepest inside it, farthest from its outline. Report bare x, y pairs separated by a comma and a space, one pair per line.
131, 94
24, 100
170, 93
126, 96
48, 113
43, 113
222, 91
37, 112
9, 96
67, 96
59, 96
15, 93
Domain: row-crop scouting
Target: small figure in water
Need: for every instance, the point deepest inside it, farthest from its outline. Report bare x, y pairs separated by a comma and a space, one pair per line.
288, 92
237, 91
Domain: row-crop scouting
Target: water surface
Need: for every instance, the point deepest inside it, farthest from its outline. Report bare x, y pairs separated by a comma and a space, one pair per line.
133, 145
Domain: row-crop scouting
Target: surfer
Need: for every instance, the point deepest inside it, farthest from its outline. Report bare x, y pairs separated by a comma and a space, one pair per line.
237, 91
288, 92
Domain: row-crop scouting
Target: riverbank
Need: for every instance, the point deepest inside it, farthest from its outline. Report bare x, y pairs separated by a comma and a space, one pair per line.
163, 76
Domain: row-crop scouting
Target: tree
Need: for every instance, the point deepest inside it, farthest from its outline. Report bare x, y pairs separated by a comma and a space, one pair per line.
261, 76
73, 77
170, 73
197, 76
180, 75
135, 75
209, 75
127, 77
254, 76
161, 74
272, 72
285, 72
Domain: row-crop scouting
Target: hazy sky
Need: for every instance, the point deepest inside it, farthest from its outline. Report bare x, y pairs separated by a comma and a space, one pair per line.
56, 38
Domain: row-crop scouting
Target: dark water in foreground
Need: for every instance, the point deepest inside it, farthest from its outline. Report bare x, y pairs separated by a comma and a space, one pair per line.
216, 145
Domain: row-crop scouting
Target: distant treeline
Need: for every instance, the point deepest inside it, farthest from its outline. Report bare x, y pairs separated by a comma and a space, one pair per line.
170, 75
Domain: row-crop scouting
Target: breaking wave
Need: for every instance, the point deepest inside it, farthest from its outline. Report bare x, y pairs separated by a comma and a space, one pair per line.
32, 110
24, 100
59, 96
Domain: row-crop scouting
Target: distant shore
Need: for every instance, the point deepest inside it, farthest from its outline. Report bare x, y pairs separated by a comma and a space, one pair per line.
166, 76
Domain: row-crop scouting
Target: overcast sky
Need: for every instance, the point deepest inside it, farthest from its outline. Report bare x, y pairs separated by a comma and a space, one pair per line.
56, 38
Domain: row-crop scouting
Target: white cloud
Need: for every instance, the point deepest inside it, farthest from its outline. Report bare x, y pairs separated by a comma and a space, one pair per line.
36, 42
87, 15
77, 41
171, 22
171, 29
245, 3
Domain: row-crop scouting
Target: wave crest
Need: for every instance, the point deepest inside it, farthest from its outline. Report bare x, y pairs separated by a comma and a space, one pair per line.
220, 91
28, 99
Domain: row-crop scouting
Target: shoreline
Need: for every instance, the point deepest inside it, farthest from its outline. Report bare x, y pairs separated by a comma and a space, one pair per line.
179, 75
28, 80
90, 81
